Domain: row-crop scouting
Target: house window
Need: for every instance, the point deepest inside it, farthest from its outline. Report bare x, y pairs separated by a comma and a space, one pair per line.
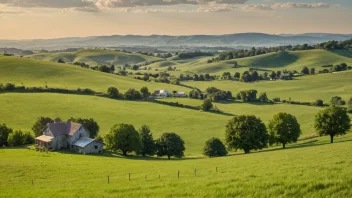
96, 147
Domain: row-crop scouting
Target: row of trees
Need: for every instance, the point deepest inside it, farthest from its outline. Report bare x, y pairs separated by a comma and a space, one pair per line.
126, 139
187, 55
250, 133
130, 94
264, 50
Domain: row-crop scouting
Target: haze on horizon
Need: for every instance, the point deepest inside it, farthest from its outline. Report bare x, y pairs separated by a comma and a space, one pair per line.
42, 19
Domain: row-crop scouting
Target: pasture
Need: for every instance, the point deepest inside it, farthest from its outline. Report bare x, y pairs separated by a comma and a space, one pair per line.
311, 168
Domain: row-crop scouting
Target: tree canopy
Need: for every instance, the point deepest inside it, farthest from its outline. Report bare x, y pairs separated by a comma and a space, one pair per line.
332, 121
123, 137
170, 144
214, 148
147, 142
90, 124
40, 124
246, 132
284, 128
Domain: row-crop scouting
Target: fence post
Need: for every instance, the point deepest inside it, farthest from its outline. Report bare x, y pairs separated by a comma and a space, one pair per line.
32, 182
159, 176
195, 172
145, 177
216, 169
108, 179
129, 176
178, 174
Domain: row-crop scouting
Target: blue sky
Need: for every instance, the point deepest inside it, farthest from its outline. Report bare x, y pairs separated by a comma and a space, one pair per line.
65, 18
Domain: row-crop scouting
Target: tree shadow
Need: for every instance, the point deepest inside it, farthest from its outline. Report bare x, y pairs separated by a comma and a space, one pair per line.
109, 154
345, 53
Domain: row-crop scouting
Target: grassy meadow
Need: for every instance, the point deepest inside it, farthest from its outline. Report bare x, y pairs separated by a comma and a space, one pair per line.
276, 61
95, 57
312, 168
308, 168
33, 73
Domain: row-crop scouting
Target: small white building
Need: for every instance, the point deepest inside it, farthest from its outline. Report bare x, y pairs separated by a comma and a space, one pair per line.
164, 93
180, 94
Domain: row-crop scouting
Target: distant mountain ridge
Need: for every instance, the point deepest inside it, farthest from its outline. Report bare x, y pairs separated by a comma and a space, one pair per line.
226, 40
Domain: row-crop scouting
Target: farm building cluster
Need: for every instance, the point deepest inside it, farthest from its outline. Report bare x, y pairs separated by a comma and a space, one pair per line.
166, 93
68, 135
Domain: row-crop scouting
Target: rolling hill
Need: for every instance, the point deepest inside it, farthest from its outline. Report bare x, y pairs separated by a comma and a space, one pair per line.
32, 73
226, 40
94, 57
292, 60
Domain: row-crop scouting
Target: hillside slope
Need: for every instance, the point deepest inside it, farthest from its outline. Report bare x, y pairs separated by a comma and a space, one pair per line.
32, 72
293, 60
95, 57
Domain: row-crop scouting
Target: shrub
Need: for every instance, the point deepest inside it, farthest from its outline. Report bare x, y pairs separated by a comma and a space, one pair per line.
276, 99
319, 103
207, 105
113, 92
40, 124
132, 94
18, 138
214, 148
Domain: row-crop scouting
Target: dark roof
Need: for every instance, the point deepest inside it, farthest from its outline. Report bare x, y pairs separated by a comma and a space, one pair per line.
64, 128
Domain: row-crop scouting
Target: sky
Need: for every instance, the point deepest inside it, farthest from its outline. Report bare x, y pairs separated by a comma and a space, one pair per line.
42, 19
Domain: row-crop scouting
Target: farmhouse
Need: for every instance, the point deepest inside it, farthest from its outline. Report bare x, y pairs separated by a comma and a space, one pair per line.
68, 135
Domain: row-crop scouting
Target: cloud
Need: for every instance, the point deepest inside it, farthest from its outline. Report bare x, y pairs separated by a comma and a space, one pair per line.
223, 8
11, 12
288, 5
300, 5
138, 3
261, 7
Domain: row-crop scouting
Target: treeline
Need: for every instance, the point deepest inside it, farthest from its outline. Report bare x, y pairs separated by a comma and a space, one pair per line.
330, 45
187, 55
126, 139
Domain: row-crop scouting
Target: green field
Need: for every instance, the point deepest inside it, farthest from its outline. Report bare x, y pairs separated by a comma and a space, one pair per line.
306, 88
95, 57
195, 127
313, 168
277, 61
309, 168
32, 73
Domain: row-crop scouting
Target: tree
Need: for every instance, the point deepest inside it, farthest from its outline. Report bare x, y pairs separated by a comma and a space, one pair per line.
145, 92
319, 103
337, 101
305, 70
237, 75
4, 134
147, 142
284, 128
332, 121
214, 148
90, 124
40, 124
207, 105
170, 144
263, 97
246, 132
113, 92
195, 94
312, 71
123, 137
112, 68
18, 138
104, 68
132, 94
349, 104
273, 75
